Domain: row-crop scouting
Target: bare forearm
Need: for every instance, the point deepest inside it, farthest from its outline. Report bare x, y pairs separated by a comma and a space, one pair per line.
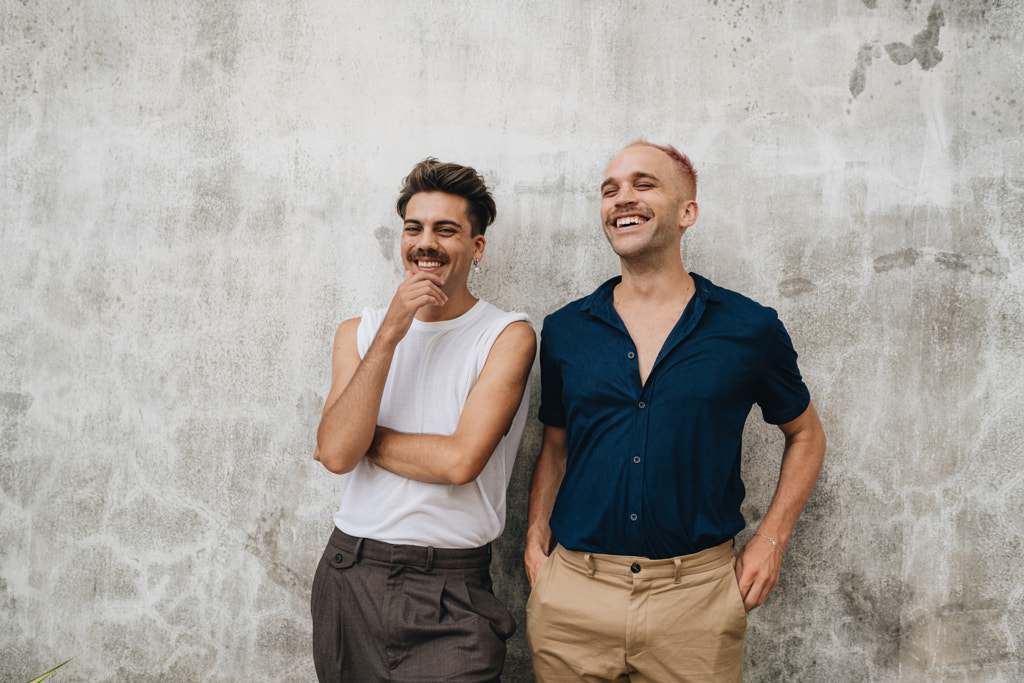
547, 478
357, 384
432, 458
801, 463
347, 428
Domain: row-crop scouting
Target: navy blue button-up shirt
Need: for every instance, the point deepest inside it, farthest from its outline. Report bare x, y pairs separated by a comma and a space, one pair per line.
654, 469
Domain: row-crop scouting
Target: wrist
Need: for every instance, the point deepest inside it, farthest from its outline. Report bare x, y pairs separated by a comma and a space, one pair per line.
537, 539
776, 544
387, 337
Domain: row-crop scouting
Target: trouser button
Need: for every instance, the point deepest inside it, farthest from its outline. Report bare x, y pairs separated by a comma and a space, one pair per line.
635, 567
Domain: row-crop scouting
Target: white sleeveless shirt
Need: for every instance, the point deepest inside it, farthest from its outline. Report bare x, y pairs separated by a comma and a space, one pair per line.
433, 370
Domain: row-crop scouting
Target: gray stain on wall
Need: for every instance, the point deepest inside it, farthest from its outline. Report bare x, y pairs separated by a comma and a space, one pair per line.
14, 401
983, 264
858, 78
794, 286
924, 47
385, 237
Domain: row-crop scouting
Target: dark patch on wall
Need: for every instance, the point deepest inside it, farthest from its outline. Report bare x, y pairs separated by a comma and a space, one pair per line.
975, 263
216, 206
794, 286
890, 615
924, 47
983, 14
264, 545
385, 237
897, 259
309, 407
12, 407
858, 78
981, 264
14, 401
878, 611
870, 4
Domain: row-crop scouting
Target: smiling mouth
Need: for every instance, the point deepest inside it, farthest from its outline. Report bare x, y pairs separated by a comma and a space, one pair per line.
629, 221
427, 259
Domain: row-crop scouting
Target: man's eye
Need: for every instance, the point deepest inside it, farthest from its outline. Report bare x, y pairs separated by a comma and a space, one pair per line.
412, 228
608, 192
643, 186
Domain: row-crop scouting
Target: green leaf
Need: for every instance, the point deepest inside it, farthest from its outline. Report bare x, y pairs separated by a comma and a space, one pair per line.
47, 674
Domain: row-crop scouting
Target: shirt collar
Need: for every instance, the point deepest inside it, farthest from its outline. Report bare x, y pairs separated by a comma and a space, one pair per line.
600, 303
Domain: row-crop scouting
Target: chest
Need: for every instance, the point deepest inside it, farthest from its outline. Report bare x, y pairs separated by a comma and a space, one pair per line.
649, 329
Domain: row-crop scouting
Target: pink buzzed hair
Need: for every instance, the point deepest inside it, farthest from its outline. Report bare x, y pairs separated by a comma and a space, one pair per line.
682, 162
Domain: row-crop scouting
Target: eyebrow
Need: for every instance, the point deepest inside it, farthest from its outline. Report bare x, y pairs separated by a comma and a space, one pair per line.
443, 221
634, 177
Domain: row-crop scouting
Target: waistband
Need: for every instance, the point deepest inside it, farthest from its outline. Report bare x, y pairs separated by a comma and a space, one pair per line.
427, 557
641, 567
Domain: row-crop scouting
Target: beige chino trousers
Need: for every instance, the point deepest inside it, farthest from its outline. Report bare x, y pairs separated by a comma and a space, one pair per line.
598, 618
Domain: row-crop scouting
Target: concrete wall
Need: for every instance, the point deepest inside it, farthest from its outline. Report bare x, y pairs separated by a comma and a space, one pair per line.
194, 194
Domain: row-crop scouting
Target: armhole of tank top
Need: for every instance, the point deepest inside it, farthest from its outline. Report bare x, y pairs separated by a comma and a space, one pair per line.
369, 320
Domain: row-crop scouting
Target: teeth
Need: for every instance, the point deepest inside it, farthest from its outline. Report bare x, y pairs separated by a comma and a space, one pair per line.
429, 264
628, 220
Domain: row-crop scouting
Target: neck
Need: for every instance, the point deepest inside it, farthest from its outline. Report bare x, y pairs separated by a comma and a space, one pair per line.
458, 303
654, 282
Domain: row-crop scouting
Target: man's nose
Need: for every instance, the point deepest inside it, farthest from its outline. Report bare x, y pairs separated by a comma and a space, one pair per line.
625, 196
427, 239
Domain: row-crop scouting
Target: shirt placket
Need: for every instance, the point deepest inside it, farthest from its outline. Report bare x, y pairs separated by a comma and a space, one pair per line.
643, 406
637, 457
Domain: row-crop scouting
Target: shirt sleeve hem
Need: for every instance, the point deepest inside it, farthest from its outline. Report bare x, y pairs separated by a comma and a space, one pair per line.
781, 417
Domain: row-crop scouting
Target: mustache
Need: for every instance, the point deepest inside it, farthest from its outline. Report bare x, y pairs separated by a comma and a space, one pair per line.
427, 255
634, 212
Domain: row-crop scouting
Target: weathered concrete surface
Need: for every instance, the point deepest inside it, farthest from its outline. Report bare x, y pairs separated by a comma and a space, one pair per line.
194, 194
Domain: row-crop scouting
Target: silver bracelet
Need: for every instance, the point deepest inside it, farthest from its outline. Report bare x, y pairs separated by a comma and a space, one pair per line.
777, 546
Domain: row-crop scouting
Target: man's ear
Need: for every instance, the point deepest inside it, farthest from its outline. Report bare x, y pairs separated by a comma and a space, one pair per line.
479, 242
688, 213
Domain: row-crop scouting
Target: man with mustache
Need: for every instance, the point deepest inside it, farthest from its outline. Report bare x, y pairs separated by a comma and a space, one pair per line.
423, 420
639, 473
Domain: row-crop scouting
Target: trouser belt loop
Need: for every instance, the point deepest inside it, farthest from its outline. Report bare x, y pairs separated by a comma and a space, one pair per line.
590, 563
678, 562
358, 550
430, 557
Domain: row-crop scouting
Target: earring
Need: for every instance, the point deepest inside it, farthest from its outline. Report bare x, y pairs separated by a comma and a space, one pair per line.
476, 266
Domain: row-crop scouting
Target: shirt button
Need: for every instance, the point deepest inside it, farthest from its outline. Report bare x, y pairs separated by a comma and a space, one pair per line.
631, 355
633, 517
636, 459
338, 558
635, 567
642, 405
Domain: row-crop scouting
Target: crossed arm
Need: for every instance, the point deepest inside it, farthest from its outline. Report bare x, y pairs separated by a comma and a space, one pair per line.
348, 428
486, 417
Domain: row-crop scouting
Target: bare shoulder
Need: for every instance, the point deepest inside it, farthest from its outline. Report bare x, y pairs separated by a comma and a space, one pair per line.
346, 332
517, 337
348, 327
346, 352
512, 353
518, 331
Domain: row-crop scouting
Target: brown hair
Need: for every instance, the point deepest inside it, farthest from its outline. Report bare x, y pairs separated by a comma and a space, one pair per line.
682, 162
430, 175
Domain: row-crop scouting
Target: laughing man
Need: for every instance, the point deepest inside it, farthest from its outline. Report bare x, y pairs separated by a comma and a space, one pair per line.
639, 473
423, 420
